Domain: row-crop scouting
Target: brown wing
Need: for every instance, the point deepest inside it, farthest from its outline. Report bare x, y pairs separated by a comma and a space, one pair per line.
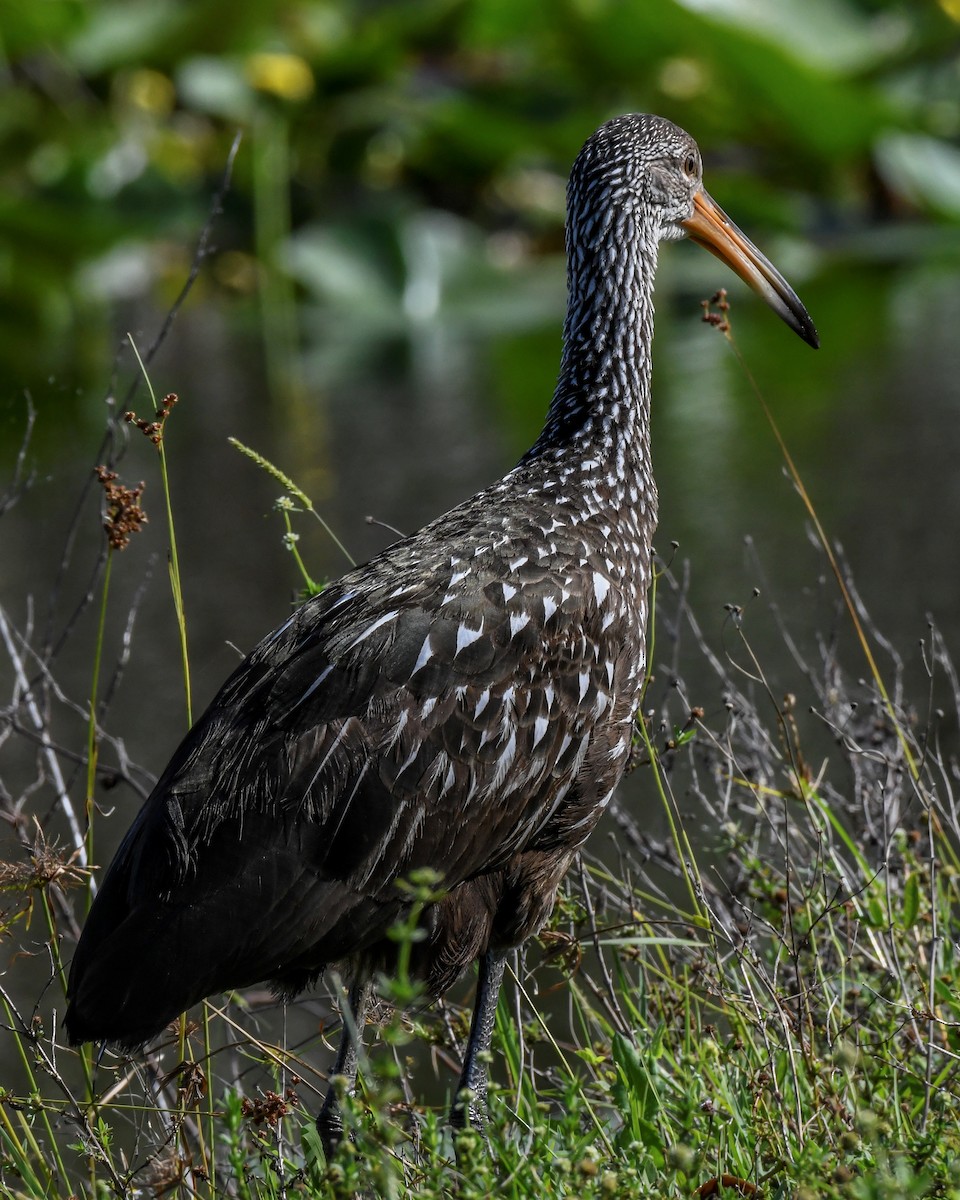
364, 739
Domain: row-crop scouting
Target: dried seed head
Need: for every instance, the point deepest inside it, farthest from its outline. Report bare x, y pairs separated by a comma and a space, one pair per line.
46, 865
124, 516
154, 429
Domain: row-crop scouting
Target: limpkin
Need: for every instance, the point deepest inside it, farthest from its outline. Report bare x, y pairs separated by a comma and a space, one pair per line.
463, 702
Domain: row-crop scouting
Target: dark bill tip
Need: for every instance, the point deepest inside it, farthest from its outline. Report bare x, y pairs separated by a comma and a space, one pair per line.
711, 228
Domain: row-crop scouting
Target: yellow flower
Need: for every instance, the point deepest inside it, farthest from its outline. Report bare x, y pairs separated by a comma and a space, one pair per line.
285, 75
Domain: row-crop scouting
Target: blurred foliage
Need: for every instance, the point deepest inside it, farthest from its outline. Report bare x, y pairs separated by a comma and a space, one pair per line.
398, 157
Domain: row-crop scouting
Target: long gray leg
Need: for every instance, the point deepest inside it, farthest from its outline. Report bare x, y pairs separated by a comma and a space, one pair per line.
353, 1010
473, 1077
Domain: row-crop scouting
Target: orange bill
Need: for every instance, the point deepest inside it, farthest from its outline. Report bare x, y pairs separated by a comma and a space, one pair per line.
712, 228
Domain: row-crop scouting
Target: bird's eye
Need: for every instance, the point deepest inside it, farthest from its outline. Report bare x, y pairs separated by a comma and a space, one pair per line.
690, 165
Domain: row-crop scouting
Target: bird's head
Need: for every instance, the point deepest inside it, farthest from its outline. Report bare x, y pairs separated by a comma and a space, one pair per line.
646, 167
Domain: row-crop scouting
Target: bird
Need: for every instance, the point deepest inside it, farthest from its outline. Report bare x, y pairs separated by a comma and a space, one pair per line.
464, 703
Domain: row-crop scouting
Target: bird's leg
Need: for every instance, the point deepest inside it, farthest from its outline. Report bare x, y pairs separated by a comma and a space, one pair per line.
330, 1120
473, 1077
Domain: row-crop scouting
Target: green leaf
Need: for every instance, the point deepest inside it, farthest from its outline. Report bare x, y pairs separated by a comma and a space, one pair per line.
117, 34
640, 1092
876, 914
924, 169
911, 901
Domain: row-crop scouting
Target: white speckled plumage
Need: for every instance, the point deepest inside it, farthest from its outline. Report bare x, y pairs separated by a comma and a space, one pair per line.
465, 701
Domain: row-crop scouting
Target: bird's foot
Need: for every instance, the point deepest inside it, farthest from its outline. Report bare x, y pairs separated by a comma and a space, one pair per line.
330, 1118
330, 1128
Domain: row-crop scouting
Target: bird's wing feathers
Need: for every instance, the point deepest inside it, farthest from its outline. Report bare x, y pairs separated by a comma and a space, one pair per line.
401, 733
446, 723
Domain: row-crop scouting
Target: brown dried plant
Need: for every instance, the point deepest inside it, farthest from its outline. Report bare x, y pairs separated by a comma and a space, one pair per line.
124, 515
154, 429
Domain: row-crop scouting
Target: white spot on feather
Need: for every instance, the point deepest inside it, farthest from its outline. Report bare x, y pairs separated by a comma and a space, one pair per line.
426, 653
408, 760
518, 621
316, 683
347, 595
397, 730
581, 753
466, 637
326, 758
505, 761
373, 628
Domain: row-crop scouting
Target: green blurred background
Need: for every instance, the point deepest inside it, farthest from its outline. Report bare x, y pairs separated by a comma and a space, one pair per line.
380, 309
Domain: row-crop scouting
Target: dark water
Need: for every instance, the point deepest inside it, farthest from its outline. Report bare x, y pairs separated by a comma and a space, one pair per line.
401, 426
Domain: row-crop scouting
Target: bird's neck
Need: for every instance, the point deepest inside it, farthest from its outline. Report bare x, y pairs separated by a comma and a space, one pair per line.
599, 419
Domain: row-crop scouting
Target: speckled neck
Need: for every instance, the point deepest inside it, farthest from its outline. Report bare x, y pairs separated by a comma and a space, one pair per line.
598, 423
